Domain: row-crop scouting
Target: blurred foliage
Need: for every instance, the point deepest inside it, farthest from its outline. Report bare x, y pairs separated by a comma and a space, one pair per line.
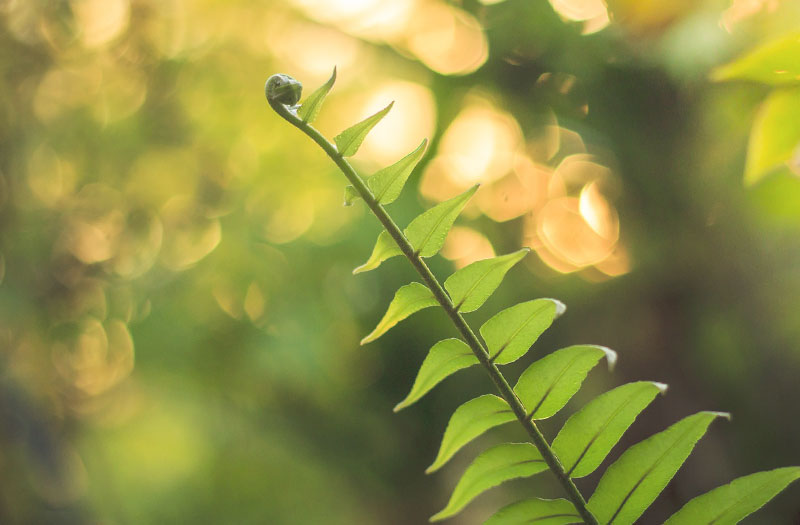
178, 324
776, 133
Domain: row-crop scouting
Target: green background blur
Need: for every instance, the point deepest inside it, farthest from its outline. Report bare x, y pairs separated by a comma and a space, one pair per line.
179, 325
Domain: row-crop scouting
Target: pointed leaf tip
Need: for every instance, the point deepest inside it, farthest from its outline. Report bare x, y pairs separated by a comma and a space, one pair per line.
723, 415
549, 383
590, 434
313, 104
469, 421
350, 195
611, 357
510, 333
408, 300
560, 308
349, 140
387, 183
385, 248
472, 285
444, 358
427, 231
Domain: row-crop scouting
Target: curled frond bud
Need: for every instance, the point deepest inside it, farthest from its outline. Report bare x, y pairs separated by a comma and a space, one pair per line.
283, 89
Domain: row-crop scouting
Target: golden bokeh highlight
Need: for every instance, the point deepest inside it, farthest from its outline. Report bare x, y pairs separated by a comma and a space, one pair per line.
100, 21
558, 189
228, 300
465, 245
412, 117
282, 219
598, 212
741, 10
566, 234
524, 188
446, 39
111, 91
94, 356
313, 49
189, 235
254, 302
480, 145
616, 264
369, 19
593, 13
51, 178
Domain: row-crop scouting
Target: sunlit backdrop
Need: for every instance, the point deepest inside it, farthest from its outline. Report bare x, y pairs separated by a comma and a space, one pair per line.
179, 325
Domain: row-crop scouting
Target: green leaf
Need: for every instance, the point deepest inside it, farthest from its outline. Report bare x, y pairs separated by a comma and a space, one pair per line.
444, 358
728, 504
495, 466
536, 511
409, 299
631, 484
775, 63
350, 195
387, 183
775, 137
310, 108
510, 333
385, 248
472, 285
546, 386
469, 421
589, 435
349, 140
427, 232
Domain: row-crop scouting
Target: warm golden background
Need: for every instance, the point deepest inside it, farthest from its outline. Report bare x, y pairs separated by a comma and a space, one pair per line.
178, 323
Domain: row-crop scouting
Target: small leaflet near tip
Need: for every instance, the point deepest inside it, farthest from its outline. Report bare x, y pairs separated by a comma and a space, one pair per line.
350, 195
349, 140
310, 109
388, 182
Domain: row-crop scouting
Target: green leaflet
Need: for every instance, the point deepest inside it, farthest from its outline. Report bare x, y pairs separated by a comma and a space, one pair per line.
349, 140
775, 137
775, 63
409, 299
469, 421
631, 484
546, 386
444, 358
472, 285
589, 435
728, 504
510, 333
310, 109
386, 184
385, 248
427, 232
350, 195
536, 511
496, 465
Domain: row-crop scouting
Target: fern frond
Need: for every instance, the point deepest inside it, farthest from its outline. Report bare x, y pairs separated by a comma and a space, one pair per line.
631, 483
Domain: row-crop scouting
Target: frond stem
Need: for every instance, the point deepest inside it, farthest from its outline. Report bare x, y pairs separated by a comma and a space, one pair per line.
506, 392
